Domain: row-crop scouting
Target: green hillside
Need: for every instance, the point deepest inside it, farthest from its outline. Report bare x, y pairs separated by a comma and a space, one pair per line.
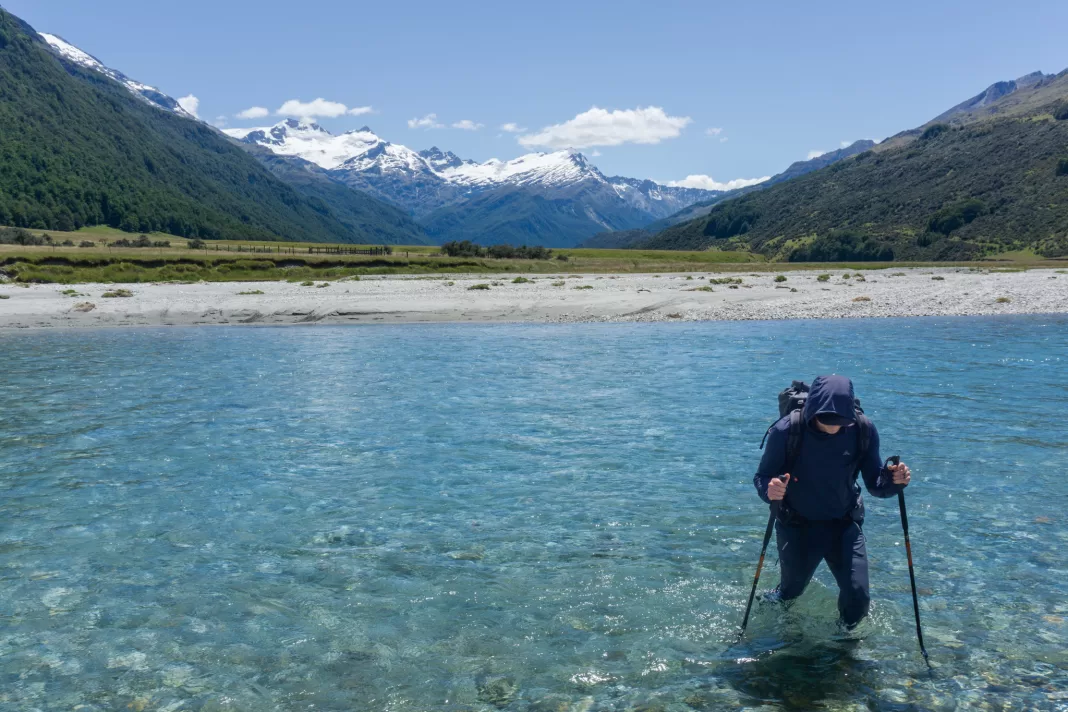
77, 149
376, 221
518, 217
952, 192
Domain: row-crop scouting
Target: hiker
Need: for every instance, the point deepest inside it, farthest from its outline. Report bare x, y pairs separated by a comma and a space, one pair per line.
821, 514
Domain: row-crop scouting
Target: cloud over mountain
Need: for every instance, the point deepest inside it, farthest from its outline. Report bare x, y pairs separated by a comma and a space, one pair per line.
190, 103
317, 108
253, 112
430, 121
599, 127
467, 125
709, 183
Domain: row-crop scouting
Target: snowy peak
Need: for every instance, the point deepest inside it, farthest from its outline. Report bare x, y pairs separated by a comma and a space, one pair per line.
430, 179
556, 169
148, 93
362, 150
440, 160
310, 141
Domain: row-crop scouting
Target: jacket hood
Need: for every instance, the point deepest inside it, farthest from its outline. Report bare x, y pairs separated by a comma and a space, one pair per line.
831, 394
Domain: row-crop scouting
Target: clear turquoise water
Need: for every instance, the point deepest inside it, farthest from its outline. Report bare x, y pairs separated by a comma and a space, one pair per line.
514, 517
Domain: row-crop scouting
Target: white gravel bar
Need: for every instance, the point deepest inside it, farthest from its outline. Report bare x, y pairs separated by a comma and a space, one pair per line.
893, 292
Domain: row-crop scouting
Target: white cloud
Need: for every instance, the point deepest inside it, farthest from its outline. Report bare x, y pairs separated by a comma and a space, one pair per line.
847, 144
220, 122
467, 125
360, 110
253, 112
815, 154
312, 109
708, 183
595, 153
713, 132
190, 103
430, 121
512, 127
723, 139
598, 127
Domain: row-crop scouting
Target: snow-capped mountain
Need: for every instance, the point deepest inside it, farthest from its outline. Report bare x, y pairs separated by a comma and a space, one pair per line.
428, 180
526, 198
361, 160
149, 93
440, 160
544, 170
656, 199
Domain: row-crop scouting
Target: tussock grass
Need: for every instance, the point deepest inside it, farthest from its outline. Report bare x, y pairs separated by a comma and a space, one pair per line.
478, 286
117, 293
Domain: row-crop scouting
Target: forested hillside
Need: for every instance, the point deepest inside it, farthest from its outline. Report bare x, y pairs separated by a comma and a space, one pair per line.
953, 192
78, 149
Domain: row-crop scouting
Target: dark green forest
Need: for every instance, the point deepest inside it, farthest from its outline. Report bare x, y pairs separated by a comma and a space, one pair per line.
77, 149
520, 217
954, 193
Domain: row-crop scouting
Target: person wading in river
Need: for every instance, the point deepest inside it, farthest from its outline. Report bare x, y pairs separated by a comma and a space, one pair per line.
821, 514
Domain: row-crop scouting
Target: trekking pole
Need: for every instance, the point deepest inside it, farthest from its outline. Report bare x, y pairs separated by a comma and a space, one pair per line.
896, 460
760, 562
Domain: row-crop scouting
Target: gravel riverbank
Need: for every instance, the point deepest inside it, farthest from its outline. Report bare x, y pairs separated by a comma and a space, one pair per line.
564, 298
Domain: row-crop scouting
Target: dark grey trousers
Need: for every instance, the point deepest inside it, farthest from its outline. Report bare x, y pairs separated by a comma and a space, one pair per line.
838, 542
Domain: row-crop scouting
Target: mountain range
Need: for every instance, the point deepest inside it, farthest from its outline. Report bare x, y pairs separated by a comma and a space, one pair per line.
987, 176
555, 199
85, 144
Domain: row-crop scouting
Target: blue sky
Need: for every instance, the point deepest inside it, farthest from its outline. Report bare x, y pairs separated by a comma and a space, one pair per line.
778, 80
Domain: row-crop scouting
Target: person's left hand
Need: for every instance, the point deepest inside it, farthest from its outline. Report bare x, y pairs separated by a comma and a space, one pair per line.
902, 474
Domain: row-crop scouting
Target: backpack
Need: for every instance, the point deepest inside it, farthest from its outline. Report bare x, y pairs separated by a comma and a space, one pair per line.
792, 402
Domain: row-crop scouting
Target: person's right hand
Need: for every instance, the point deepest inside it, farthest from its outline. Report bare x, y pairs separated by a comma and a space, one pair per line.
777, 487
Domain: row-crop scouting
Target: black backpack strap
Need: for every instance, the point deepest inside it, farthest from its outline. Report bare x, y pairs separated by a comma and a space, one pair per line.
793, 439
863, 439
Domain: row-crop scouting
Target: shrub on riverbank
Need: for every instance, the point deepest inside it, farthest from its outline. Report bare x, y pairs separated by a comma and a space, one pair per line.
500, 252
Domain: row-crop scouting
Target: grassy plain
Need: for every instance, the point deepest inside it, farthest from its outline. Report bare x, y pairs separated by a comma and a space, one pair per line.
262, 261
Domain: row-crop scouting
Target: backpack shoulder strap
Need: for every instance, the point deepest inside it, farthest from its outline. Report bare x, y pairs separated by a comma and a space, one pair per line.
793, 439
863, 438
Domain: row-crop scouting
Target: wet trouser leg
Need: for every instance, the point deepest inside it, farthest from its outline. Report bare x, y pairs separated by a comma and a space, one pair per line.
798, 558
847, 558
841, 545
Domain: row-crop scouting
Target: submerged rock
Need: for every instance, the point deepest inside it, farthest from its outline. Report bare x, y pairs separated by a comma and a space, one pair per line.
498, 690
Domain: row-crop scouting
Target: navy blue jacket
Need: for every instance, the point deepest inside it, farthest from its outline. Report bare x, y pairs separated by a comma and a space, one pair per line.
823, 482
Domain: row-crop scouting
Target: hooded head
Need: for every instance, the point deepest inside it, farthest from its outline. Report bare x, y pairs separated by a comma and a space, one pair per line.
831, 396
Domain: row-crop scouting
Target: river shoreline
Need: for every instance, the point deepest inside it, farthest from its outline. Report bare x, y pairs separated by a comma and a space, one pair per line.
563, 298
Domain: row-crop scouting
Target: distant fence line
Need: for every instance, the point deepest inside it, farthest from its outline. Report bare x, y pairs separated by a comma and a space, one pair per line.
279, 250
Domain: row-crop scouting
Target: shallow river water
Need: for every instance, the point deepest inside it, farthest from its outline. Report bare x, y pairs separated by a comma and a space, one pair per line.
515, 517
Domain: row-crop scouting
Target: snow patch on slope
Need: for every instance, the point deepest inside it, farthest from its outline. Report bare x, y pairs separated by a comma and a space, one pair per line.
310, 141
82, 58
558, 168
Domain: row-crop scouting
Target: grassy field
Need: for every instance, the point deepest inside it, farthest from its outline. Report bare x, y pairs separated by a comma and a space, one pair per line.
236, 261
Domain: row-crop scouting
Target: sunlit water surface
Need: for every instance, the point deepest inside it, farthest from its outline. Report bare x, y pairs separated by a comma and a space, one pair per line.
515, 517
